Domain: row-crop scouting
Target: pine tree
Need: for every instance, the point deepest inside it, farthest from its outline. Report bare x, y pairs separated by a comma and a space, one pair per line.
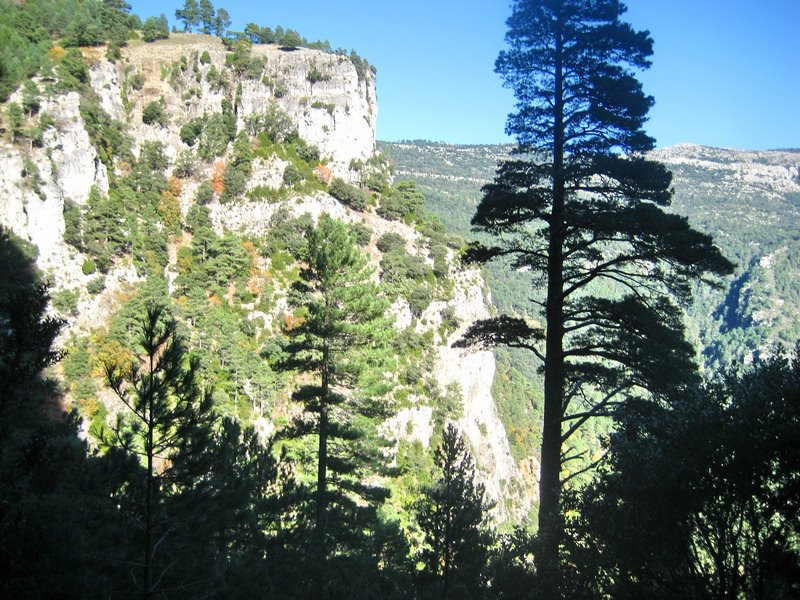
452, 515
167, 425
206, 15
221, 22
189, 15
339, 339
581, 207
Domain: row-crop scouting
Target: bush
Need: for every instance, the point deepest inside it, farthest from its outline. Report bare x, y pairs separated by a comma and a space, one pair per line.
361, 233
113, 53
274, 123
419, 299
184, 164
205, 58
349, 195
154, 113
137, 81
192, 130
292, 175
88, 267
391, 242
204, 194
402, 201
96, 285
66, 301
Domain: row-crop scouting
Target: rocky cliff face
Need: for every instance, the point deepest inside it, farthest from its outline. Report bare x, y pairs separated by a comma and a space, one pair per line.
333, 106
37, 181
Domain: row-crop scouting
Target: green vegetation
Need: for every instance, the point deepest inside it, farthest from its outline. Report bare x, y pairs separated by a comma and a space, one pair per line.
154, 113
452, 516
349, 195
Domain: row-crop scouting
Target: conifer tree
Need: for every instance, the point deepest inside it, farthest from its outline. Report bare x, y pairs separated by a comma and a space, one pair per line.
452, 515
221, 22
581, 207
206, 16
339, 340
189, 15
168, 421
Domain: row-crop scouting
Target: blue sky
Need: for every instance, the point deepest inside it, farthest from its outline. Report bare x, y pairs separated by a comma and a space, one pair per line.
725, 73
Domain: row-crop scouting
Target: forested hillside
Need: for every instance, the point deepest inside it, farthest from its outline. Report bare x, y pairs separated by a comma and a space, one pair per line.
749, 202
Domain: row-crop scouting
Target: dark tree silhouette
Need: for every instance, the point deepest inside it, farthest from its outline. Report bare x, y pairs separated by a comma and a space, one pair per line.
699, 500
581, 208
452, 515
26, 334
168, 419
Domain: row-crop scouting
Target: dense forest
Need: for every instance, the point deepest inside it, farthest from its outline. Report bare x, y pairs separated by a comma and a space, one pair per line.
230, 373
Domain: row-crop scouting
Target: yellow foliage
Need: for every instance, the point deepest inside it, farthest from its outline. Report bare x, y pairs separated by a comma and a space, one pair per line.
109, 352
56, 53
217, 176
169, 209
175, 186
291, 322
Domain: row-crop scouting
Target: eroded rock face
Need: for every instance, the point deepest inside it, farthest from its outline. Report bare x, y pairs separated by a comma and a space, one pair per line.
473, 372
332, 106
67, 166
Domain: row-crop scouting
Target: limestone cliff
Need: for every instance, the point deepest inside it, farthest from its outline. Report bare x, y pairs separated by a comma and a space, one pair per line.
332, 105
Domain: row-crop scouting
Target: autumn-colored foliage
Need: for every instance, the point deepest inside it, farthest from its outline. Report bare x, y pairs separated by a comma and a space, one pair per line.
291, 322
56, 53
324, 174
175, 186
218, 176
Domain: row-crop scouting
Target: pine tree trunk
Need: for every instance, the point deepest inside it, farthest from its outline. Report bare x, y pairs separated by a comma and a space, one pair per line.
149, 500
322, 476
550, 522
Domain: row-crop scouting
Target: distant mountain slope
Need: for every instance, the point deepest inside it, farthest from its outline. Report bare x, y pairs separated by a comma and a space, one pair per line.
749, 201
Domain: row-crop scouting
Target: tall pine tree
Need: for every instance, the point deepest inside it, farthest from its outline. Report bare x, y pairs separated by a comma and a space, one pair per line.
581, 207
167, 426
339, 340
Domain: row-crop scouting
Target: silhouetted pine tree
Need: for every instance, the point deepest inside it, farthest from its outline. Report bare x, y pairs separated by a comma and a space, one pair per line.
452, 515
580, 207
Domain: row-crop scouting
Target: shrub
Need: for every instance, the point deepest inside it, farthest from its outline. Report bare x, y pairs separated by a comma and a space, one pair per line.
137, 81
349, 195
154, 113
274, 123
96, 285
391, 242
419, 299
192, 130
113, 53
205, 58
66, 301
88, 267
185, 164
402, 201
292, 175
315, 76
361, 233
204, 194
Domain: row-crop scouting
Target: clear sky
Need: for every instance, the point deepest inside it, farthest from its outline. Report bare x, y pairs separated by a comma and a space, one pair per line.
725, 72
